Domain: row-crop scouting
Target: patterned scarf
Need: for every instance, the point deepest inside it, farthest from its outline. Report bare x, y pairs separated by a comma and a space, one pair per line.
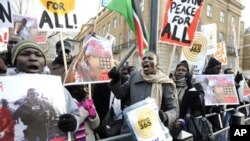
158, 79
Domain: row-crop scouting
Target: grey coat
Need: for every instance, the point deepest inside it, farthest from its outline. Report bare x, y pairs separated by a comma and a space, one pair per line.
137, 89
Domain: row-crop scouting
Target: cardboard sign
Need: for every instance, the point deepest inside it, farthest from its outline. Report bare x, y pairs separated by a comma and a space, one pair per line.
4, 35
180, 21
6, 18
210, 31
33, 107
219, 89
57, 15
92, 64
221, 53
144, 123
26, 27
196, 55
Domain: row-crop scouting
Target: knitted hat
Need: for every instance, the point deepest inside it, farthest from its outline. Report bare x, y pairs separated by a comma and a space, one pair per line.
213, 62
23, 45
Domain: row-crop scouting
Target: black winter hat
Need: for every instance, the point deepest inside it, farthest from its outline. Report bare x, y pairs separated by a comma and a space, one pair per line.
67, 46
213, 62
183, 63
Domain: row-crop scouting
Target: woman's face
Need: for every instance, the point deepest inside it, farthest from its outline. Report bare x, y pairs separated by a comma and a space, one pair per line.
180, 72
149, 63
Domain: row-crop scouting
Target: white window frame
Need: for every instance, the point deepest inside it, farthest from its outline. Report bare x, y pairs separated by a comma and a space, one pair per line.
222, 16
209, 10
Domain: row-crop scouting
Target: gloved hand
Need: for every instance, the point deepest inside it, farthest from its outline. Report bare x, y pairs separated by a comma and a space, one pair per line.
238, 77
188, 78
163, 116
90, 107
67, 122
114, 75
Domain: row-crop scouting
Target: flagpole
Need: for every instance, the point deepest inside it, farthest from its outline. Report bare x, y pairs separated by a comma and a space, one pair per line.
153, 26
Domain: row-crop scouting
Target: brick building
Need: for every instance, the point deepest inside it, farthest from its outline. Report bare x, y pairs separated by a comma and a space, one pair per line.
225, 13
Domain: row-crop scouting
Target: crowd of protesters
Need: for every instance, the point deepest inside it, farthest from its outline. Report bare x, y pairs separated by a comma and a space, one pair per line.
176, 96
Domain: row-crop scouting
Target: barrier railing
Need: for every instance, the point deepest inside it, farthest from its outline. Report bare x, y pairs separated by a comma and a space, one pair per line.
217, 133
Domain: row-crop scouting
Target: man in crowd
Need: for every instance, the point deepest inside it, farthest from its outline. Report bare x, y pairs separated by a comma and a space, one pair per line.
57, 65
148, 82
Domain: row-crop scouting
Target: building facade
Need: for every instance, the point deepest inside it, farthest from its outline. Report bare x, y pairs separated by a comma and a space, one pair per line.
225, 13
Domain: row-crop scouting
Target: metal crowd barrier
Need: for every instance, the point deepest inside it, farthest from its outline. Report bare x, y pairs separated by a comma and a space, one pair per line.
217, 134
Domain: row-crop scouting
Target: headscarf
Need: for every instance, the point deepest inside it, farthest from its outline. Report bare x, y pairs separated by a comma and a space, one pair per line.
157, 80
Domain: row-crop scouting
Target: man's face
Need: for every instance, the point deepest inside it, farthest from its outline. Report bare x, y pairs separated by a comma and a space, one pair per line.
180, 72
12, 42
30, 60
149, 63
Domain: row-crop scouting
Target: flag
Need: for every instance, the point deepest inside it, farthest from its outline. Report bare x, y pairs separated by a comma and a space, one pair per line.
131, 12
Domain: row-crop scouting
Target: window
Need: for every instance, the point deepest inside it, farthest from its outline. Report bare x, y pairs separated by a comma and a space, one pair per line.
142, 5
108, 26
114, 23
209, 10
222, 16
221, 36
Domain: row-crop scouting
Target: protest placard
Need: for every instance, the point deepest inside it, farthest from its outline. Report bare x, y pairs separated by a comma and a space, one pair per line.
210, 31
26, 27
32, 108
144, 123
180, 21
6, 18
4, 35
196, 55
218, 89
58, 15
221, 53
92, 64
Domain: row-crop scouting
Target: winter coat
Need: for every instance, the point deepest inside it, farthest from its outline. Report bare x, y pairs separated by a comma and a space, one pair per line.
137, 89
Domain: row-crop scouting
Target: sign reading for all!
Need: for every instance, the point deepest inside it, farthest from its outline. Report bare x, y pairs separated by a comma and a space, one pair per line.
54, 15
180, 21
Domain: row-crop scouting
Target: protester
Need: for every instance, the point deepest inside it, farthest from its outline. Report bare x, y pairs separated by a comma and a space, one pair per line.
57, 65
131, 69
7, 123
148, 82
35, 113
28, 57
89, 114
183, 80
14, 39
